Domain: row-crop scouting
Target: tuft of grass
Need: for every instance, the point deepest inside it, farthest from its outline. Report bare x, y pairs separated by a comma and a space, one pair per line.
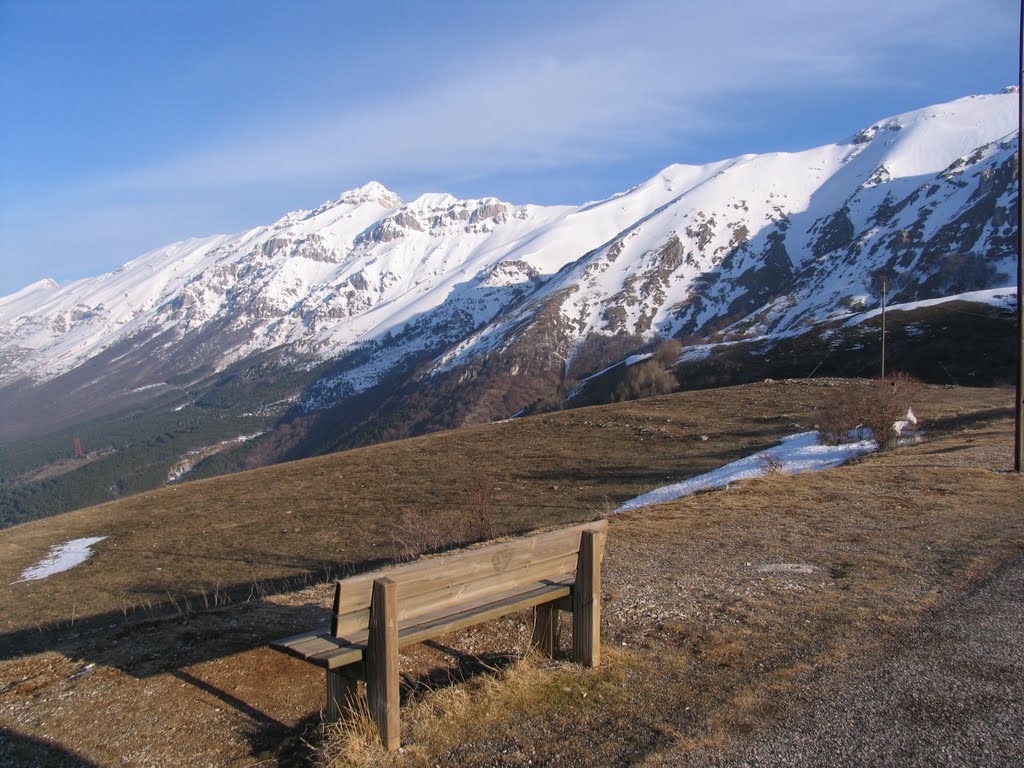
352, 741
530, 689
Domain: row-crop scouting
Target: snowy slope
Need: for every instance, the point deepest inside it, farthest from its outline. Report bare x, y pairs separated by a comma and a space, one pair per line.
773, 242
748, 246
318, 281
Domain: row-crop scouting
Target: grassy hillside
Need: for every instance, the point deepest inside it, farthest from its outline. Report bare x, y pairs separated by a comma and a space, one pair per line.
689, 622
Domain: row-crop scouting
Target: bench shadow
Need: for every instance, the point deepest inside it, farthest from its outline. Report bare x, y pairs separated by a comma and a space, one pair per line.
276, 742
187, 629
466, 667
20, 751
166, 640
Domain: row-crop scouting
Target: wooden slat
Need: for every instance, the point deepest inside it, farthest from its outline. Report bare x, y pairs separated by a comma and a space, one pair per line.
295, 639
425, 630
382, 663
460, 594
340, 655
433, 573
351, 623
310, 645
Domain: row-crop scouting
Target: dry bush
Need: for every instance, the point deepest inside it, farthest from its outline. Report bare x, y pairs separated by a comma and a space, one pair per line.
840, 419
872, 407
486, 519
557, 400
419, 531
533, 687
597, 352
771, 464
667, 353
888, 402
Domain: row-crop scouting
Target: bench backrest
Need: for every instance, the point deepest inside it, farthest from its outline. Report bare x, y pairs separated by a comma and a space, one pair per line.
435, 584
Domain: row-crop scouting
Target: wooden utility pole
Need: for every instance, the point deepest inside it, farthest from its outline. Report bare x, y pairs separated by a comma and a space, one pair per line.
885, 289
1018, 439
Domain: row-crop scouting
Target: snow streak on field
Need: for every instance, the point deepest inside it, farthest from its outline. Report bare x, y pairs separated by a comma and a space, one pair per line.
62, 557
797, 453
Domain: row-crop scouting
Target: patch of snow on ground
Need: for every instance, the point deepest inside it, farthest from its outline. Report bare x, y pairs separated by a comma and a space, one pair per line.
62, 557
798, 453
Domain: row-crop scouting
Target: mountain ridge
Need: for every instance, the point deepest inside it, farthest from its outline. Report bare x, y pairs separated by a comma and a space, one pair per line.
332, 233
442, 312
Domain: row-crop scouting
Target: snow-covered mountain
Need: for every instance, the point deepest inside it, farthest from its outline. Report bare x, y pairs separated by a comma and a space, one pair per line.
386, 291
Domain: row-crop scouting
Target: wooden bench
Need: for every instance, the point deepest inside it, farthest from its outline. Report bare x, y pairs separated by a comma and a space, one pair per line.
377, 613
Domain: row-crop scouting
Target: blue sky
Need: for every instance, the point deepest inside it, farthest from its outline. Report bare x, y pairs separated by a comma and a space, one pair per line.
128, 124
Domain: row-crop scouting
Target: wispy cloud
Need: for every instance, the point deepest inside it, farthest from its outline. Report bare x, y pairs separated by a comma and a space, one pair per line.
616, 80
637, 73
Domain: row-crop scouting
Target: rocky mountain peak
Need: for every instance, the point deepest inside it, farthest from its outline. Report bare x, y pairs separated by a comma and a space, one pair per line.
371, 192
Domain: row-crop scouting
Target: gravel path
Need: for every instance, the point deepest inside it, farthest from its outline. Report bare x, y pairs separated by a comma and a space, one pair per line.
948, 694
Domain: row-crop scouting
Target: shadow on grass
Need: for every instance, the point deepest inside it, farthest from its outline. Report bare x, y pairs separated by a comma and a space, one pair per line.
270, 739
166, 639
183, 630
17, 750
973, 419
467, 666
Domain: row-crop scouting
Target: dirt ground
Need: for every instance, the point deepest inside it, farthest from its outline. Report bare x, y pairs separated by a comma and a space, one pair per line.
717, 607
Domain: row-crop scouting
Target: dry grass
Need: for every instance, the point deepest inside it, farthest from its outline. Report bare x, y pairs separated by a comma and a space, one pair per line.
715, 605
351, 742
299, 523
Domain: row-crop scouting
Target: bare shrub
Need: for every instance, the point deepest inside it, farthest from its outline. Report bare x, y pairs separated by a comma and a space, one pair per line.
841, 417
871, 407
416, 532
771, 464
486, 520
887, 402
558, 399
596, 352
652, 377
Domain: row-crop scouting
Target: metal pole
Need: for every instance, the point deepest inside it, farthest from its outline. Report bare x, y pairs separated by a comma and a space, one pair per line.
1018, 437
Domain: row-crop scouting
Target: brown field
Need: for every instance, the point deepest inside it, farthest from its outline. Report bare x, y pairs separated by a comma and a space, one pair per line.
152, 652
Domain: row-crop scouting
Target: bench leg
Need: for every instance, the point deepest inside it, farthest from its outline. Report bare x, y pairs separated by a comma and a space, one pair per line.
586, 603
545, 629
382, 662
342, 688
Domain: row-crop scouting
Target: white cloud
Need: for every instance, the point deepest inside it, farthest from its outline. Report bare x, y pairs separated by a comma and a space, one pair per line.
616, 80
636, 74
